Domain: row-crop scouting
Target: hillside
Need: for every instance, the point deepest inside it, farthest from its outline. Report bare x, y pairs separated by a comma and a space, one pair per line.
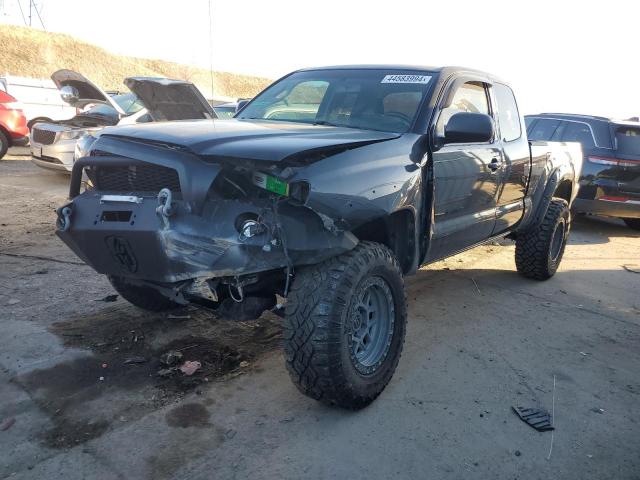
27, 52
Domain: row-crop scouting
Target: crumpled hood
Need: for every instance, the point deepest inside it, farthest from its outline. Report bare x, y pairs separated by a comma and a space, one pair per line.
249, 139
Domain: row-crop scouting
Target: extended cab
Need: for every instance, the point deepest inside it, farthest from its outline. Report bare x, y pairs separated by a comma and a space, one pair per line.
326, 189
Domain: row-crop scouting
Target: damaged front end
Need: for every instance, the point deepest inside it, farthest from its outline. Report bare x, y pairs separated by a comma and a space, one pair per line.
222, 233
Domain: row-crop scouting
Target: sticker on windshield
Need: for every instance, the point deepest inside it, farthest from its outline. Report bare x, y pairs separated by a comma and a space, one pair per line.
423, 79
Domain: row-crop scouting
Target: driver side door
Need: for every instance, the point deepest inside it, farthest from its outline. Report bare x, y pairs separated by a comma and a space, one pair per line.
465, 178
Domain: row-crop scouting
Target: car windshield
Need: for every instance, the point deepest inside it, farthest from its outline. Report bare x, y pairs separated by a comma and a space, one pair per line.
128, 102
628, 139
370, 99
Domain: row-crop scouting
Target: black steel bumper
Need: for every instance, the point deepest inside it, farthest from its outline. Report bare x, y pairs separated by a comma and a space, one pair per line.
129, 236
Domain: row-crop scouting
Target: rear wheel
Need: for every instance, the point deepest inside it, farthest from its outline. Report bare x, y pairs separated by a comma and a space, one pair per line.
345, 322
4, 144
539, 251
632, 223
143, 297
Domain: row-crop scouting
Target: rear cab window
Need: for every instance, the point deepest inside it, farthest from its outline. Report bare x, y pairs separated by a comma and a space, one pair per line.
508, 115
628, 140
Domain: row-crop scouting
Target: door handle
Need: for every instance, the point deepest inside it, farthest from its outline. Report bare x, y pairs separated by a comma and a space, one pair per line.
495, 164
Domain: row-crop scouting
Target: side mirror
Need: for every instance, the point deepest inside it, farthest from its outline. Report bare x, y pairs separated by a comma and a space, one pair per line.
241, 104
69, 94
468, 127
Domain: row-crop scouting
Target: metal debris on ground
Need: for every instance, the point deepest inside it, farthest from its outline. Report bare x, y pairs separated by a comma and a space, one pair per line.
190, 367
7, 424
537, 418
172, 357
632, 268
108, 299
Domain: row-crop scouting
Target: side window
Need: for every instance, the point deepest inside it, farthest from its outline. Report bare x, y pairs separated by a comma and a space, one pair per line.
543, 129
528, 123
508, 115
578, 132
470, 97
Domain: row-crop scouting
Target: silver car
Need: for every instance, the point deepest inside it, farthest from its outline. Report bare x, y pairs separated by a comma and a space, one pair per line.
54, 145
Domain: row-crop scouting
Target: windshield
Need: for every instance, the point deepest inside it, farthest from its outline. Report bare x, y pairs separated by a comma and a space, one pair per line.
628, 139
128, 102
385, 100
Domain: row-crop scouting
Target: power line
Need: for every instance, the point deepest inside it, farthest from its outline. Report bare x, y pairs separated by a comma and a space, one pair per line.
211, 47
35, 7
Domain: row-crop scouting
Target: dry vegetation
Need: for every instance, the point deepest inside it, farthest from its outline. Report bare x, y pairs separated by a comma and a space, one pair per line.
32, 53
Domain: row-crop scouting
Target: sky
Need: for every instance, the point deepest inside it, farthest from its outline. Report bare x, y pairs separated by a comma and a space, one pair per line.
559, 55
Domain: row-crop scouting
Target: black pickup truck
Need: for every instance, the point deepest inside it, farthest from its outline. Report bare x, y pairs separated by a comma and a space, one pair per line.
324, 190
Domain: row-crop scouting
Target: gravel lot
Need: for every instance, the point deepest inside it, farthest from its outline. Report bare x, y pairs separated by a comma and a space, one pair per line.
480, 340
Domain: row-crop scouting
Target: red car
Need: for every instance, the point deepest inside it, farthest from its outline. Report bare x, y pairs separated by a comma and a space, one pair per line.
13, 124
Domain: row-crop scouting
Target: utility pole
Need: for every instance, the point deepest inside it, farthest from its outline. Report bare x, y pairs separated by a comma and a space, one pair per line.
30, 3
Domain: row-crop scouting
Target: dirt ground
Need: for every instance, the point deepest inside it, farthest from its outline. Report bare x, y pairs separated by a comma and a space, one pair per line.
81, 395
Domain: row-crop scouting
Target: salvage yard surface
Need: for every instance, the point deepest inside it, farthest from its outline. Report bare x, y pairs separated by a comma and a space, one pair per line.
81, 395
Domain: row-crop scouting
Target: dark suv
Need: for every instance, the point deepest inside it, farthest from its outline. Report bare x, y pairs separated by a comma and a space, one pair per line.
610, 177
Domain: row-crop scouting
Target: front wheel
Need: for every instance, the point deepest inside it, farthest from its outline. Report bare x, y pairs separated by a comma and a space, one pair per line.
345, 323
539, 250
632, 223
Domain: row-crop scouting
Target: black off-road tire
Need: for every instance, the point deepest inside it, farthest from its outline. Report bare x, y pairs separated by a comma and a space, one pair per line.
143, 297
323, 317
632, 223
4, 144
539, 250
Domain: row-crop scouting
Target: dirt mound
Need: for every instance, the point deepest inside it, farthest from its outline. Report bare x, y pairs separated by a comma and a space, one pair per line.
28, 52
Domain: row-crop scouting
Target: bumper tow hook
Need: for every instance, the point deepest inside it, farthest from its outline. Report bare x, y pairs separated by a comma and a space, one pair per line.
64, 218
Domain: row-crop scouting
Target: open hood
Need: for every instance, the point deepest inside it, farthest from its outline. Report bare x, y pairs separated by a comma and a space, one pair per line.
88, 92
167, 99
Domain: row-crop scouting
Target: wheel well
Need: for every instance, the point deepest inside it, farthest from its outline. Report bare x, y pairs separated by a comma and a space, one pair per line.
6, 134
563, 190
396, 231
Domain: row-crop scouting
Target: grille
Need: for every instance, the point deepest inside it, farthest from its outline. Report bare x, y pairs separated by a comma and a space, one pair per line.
136, 178
44, 137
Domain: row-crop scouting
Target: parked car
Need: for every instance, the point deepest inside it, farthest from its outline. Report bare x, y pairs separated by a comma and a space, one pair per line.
40, 99
398, 168
226, 110
610, 177
53, 145
13, 124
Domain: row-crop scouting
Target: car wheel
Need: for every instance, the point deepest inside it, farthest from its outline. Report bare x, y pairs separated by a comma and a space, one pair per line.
539, 250
143, 297
632, 223
345, 322
4, 144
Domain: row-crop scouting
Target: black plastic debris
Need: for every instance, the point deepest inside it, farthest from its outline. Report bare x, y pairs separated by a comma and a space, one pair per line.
537, 418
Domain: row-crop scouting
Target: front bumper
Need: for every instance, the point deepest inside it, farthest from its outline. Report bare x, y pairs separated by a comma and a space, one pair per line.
57, 156
131, 236
131, 239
